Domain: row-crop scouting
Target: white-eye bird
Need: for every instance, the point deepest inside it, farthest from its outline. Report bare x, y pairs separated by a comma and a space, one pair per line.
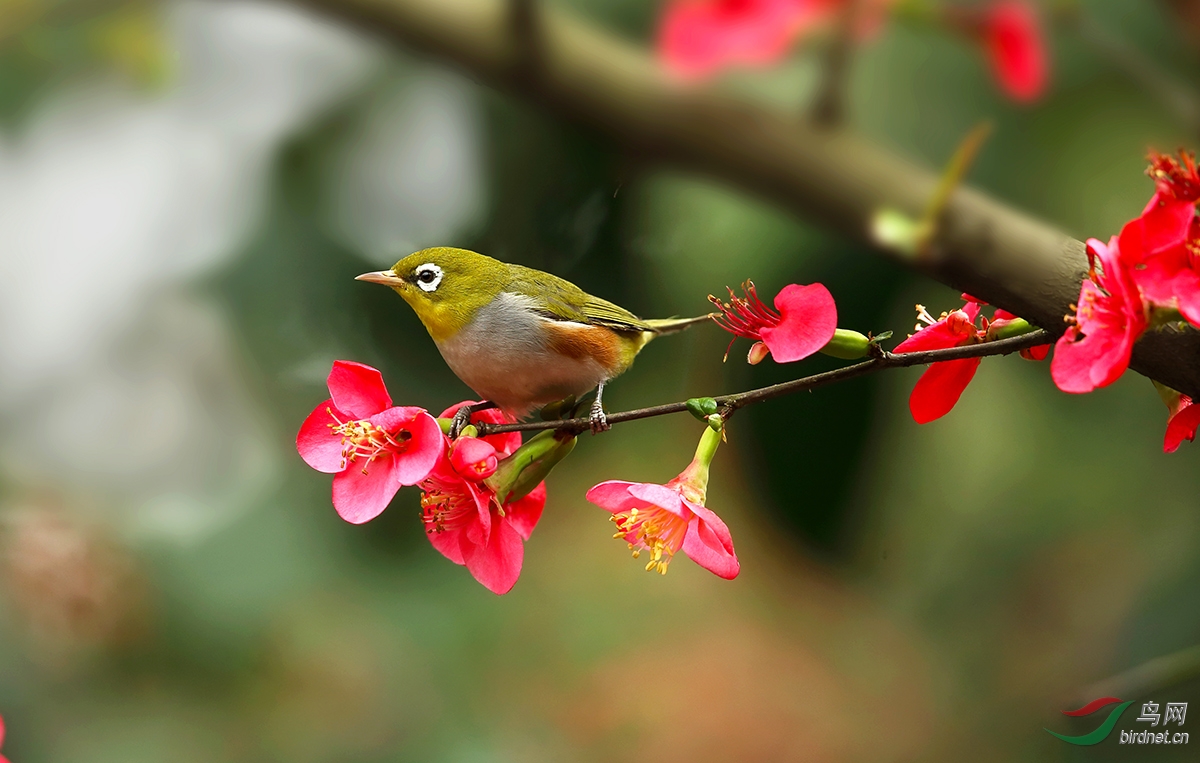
518, 337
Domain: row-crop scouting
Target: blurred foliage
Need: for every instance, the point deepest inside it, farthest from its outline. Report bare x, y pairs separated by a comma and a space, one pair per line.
908, 593
47, 43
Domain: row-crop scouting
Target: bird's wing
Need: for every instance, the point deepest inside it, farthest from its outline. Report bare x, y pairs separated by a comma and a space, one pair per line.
561, 300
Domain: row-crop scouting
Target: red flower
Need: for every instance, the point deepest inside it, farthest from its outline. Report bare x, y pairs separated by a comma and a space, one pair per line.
665, 519
465, 521
803, 321
1175, 179
372, 447
942, 384
2, 758
1016, 47
1110, 317
1182, 424
1161, 246
697, 38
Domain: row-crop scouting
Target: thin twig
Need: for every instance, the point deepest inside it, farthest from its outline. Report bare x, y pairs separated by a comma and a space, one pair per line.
731, 403
1154, 675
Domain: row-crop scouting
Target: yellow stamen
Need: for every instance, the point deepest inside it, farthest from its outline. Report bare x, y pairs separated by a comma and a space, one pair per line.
652, 529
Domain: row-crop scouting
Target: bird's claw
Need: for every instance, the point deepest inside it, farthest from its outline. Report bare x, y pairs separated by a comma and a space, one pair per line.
462, 419
598, 420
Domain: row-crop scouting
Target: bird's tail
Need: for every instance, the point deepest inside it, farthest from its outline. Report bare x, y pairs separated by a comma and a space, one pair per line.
661, 326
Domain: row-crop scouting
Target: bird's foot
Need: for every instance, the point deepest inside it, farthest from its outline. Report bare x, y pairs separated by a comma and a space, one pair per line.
598, 420
461, 420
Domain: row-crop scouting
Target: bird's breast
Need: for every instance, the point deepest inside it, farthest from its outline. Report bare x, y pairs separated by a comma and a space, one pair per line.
513, 356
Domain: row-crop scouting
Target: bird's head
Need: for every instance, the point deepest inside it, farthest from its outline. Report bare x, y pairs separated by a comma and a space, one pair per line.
444, 286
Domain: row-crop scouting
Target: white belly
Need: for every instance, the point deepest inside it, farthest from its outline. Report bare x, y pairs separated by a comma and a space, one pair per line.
503, 356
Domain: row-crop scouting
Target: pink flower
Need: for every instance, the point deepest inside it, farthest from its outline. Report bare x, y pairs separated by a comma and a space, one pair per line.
1016, 47
506, 443
1109, 318
697, 38
660, 519
370, 446
803, 321
465, 521
2, 758
665, 519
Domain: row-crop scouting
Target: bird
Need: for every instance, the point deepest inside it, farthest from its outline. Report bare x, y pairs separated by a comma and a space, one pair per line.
520, 338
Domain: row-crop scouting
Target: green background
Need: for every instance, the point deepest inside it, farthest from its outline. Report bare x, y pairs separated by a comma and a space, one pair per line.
188, 191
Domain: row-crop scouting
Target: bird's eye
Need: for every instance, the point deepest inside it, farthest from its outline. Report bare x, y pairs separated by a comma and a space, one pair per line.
428, 277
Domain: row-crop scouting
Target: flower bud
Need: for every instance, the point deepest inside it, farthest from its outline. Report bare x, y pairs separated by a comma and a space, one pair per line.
847, 345
1006, 328
529, 465
473, 458
758, 353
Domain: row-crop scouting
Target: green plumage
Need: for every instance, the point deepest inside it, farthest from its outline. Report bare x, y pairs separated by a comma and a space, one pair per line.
564, 301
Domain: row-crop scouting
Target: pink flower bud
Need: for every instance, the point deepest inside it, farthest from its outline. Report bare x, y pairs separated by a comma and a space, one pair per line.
473, 458
758, 353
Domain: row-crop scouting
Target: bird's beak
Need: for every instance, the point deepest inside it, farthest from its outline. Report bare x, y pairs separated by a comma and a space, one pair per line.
385, 277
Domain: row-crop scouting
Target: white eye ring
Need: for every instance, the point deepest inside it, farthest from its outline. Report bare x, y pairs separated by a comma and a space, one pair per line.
428, 277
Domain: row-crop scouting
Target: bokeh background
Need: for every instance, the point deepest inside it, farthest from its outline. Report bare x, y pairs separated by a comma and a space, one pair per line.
187, 189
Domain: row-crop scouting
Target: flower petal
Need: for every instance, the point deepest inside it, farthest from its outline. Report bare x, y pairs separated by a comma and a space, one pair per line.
1187, 291
698, 39
1, 732
359, 496
808, 321
661, 496
613, 496
358, 389
939, 336
449, 543
940, 387
497, 565
1017, 48
1095, 361
523, 514
473, 458
317, 444
425, 444
1036, 353
1182, 426
1166, 223
709, 544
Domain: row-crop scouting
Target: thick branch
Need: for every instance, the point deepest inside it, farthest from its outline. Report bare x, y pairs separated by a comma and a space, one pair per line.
983, 247
731, 403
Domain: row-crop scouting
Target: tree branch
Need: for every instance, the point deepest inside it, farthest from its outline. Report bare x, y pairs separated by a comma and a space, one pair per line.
1157, 674
982, 247
829, 106
731, 403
